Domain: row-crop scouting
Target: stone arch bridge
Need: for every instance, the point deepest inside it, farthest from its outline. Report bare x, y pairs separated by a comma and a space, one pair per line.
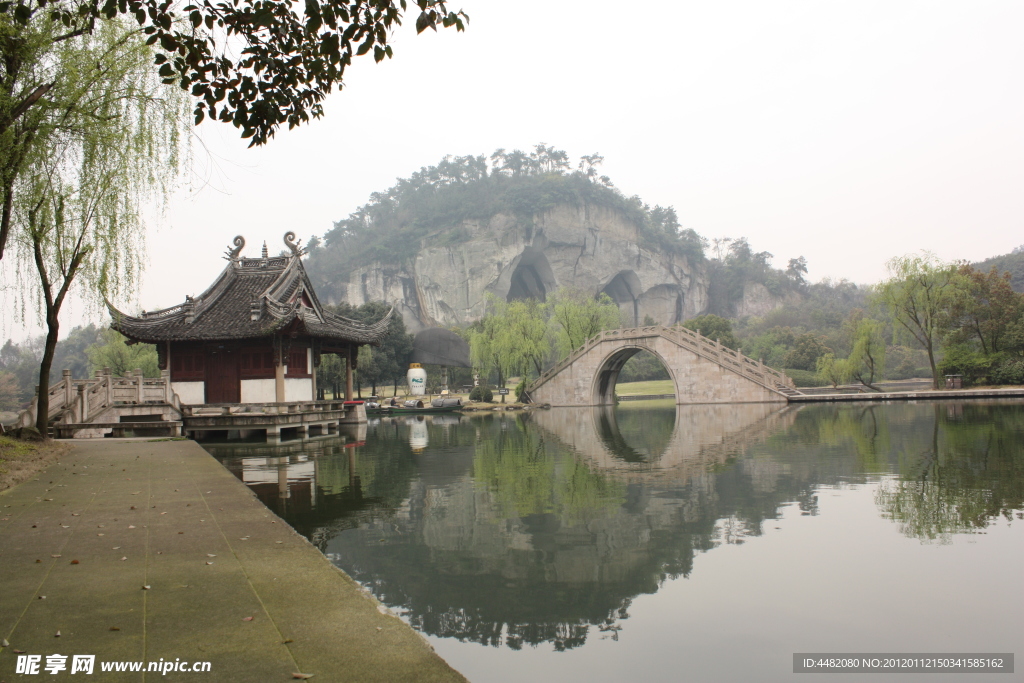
702, 370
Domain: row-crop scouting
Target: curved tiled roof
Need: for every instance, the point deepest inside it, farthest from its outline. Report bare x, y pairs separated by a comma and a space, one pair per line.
251, 298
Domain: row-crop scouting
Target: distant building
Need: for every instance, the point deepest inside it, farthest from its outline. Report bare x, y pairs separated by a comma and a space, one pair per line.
255, 335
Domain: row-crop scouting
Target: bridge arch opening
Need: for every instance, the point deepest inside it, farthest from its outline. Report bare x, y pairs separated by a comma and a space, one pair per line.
633, 364
532, 277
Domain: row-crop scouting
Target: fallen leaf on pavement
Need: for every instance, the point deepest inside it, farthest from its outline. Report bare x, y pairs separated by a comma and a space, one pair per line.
145, 588
54, 555
114, 628
57, 634
302, 676
74, 561
17, 651
247, 619
286, 641
4, 643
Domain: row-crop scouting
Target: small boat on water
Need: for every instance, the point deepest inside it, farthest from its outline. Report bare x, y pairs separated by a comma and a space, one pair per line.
414, 406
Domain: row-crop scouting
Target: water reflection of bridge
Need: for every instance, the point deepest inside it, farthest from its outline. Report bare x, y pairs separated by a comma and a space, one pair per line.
543, 528
701, 436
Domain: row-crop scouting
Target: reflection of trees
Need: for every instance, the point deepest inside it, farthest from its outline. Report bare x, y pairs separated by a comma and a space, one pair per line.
504, 533
958, 476
525, 478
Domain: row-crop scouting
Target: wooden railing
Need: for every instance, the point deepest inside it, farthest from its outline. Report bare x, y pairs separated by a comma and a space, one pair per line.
708, 349
80, 400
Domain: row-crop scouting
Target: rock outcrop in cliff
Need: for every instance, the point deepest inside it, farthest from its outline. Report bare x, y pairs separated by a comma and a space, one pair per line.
592, 248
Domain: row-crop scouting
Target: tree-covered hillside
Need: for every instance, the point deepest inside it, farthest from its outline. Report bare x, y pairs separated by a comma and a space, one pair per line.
431, 205
1012, 263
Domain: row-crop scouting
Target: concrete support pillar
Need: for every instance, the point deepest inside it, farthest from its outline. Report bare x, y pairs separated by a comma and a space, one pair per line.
83, 401
139, 386
273, 434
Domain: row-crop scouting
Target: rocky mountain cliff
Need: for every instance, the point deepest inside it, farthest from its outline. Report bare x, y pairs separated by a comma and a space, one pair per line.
589, 247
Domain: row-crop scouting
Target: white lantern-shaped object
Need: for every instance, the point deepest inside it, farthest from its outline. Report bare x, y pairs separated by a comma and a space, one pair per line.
417, 378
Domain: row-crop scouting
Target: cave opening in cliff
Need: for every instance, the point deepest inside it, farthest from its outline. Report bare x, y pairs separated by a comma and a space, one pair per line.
532, 277
625, 290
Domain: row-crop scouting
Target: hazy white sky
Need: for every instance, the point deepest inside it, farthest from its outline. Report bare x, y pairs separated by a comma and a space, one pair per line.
846, 132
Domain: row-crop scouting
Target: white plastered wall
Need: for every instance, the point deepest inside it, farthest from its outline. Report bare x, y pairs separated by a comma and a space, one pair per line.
258, 391
298, 389
190, 393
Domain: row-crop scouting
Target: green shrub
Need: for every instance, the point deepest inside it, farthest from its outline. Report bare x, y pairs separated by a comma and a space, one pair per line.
482, 394
961, 359
805, 378
1009, 371
520, 388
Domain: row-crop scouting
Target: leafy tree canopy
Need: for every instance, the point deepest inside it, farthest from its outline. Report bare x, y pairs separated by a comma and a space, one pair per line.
253, 63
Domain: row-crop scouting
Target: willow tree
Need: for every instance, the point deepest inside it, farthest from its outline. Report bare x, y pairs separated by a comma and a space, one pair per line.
919, 294
107, 145
577, 316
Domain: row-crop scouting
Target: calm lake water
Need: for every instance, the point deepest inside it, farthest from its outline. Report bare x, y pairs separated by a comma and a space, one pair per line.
661, 543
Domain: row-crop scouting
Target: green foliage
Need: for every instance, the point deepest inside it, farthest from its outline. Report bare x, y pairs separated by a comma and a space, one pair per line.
577, 316
112, 352
1012, 263
736, 266
867, 360
1007, 371
807, 349
482, 394
963, 359
714, 327
104, 147
832, 371
381, 365
984, 309
806, 378
295, 54
918, 296
10, 392
436, 205
643, 367
520, 388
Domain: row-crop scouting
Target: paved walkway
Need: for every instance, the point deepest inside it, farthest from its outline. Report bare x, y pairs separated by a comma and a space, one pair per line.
228, 581
910, 395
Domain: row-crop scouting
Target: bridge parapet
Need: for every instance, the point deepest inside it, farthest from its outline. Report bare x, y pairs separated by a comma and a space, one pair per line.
622, 343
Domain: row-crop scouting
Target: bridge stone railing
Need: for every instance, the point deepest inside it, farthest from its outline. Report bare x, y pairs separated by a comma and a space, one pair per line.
708, 349
82, 400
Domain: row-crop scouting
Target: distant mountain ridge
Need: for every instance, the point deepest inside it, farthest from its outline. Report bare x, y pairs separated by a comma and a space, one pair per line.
1013, 263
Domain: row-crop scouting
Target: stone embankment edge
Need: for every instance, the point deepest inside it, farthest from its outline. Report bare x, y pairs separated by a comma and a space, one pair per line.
227, 581
910, 395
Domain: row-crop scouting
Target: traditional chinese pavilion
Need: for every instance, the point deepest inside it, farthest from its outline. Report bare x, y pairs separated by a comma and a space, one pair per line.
255, 335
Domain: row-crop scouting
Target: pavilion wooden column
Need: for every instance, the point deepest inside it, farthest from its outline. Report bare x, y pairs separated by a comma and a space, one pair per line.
279, 372
348, 373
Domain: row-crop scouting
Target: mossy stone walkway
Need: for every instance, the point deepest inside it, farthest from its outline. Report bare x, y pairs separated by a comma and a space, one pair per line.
228, 581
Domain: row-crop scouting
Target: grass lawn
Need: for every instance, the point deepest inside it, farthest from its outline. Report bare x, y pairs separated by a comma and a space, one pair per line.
661, 386
20, 460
